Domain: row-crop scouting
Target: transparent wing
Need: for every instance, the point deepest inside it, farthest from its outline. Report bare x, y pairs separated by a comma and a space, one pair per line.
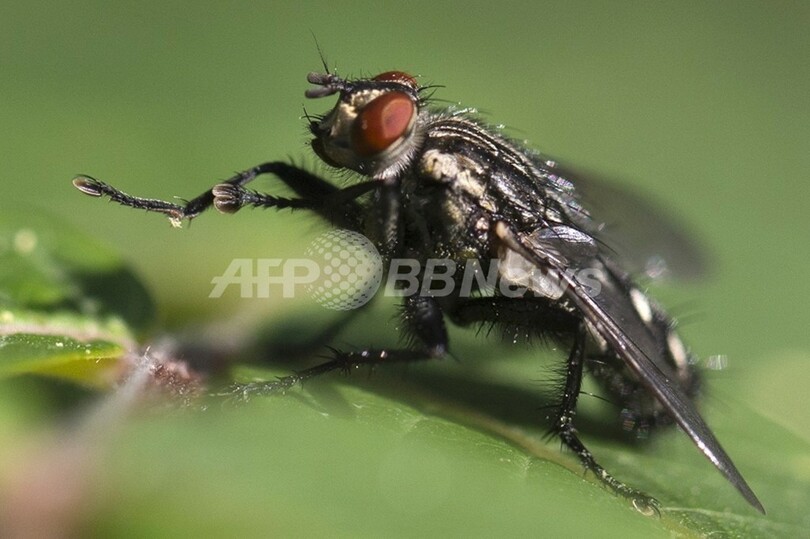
643, 234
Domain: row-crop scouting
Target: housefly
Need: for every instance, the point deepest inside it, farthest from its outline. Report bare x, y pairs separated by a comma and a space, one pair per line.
440, 184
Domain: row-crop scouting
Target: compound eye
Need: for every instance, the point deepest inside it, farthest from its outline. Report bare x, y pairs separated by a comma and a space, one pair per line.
381, 123
397, 76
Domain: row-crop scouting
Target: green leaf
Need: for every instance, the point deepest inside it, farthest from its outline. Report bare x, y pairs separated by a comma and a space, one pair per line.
48, 266
68, 306
90, 363
338, 460
428, 453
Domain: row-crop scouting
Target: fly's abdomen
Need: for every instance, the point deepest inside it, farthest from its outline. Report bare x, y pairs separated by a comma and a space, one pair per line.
653, 331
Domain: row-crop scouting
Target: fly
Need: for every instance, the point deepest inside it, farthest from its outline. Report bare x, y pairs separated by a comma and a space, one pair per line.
440, 184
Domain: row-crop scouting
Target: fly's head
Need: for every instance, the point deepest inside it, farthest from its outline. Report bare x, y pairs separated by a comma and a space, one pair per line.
373, 127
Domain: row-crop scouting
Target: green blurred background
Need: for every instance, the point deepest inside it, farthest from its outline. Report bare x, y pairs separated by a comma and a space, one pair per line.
703, 106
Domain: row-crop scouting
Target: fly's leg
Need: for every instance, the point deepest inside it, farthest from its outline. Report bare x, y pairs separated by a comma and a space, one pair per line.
563, 426
315, 194
386, 215
519, 317
541, 316
340, 361
175, 212
423, 320
338, 206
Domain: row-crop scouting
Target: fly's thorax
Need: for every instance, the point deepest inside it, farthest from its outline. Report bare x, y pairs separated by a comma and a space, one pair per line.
463, 175
375, 127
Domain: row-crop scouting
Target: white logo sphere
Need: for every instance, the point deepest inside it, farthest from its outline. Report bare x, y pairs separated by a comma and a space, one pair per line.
350, 270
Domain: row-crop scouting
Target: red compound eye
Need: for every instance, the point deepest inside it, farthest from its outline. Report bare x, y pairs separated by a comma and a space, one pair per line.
398, 76
381, 123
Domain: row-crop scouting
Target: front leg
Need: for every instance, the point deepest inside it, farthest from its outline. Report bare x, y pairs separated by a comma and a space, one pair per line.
338, 207
312, 190
175, 212
388, 218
